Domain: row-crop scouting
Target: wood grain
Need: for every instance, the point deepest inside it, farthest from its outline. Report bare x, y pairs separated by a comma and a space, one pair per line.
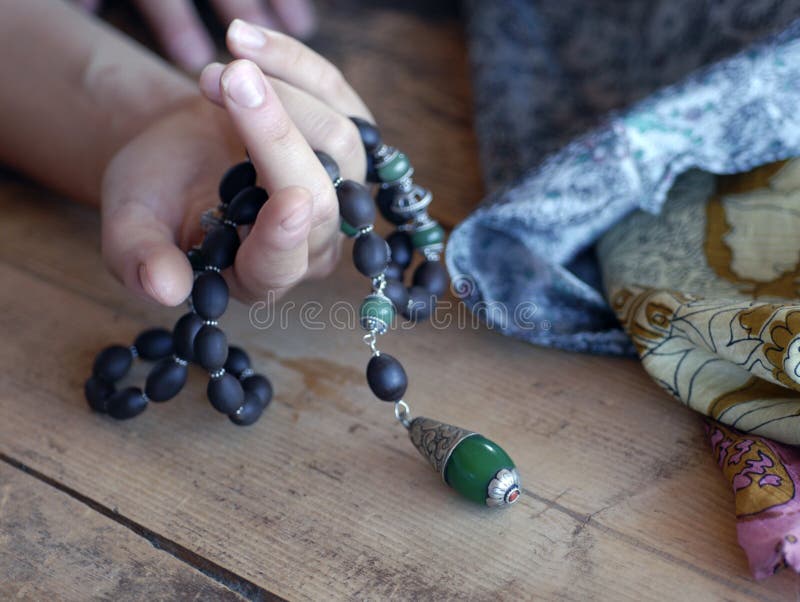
325, 497
54, 547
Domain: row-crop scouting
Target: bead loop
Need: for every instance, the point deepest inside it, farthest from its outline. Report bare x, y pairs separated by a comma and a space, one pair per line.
402, 413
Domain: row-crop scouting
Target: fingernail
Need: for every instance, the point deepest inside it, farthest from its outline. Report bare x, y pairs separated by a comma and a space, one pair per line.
298, 219
191, 50
246, 35
244, 85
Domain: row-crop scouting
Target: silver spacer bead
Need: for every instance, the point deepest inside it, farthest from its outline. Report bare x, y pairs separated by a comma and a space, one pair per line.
217, 373
337, 182
210, 219
212, 268
210, 322
134, 351
179, 360
246, 373
365, 230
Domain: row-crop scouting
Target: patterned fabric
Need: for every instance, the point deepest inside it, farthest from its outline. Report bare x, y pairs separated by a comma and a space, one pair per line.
544, 71
709, 292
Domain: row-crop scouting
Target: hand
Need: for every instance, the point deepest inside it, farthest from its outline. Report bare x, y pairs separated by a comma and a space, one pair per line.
157, 186
181, 33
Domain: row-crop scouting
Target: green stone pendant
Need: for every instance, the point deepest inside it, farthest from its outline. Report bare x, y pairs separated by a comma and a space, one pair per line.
471, 464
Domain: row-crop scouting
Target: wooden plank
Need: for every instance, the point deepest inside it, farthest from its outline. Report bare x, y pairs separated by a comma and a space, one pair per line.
325, 495
54, 547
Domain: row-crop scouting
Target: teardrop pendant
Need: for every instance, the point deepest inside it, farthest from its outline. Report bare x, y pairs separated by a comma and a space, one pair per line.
477, 468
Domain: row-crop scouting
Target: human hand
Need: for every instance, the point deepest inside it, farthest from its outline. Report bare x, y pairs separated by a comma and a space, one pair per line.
184, 38
157, 186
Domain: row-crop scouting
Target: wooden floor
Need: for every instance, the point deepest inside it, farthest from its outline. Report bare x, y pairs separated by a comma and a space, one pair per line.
325, 497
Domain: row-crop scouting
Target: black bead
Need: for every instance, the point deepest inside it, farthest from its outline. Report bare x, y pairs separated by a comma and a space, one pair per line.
196, 259
210, 348
355, 204
259, 386
97, 392
384, 200
331, 167
153, 344
401, 247
372, 173
249, 413
370, 136
237, 178
210, 295
386, 377
220, 245
237, 361
126, 403
166, 379
393, 271
183, 335
225, 393
370, 254
245, 206
397, 293
112, 363
432, 276
420, 304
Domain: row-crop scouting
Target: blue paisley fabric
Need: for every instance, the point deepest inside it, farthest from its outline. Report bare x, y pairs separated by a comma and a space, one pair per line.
580, 122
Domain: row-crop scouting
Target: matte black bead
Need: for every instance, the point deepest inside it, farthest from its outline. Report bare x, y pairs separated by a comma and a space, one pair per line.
220, 245
210, 295
370, 136
260, 386
355, 204
225, 393
393, 271
183, 335
245, 206
97, 392
112, 363
329, 164
166, 379
210, 348
370, 254
386, 377
402, 250
384, 200
249, 413
196, 260
432, 276
126, 403
420, 304
237, 178
397, 293
237, 361
153, 344
372, 173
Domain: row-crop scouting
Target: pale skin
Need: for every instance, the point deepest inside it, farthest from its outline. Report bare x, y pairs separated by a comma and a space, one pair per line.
182, 35
102, 120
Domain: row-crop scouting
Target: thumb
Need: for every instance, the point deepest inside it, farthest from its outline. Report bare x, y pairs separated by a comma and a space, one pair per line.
140, 250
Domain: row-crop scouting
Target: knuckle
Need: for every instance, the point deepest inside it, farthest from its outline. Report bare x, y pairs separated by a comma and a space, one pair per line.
331, 80
343, 140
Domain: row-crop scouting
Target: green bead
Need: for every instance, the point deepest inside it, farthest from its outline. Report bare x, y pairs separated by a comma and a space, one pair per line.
347, 229
394, 169
472, 466
376, 308
432, 234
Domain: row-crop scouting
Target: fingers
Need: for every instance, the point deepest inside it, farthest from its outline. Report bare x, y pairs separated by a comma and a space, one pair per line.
274, 255
180, 31
283, 160
298, 17
140, 250
254, 11
323, 128
285, 58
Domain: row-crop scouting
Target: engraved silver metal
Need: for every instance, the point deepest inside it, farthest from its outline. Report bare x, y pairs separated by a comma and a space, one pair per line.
412, 202
503, 489
432, 253
436, 440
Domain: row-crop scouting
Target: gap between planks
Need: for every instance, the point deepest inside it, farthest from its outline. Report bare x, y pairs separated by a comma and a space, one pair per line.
211, 569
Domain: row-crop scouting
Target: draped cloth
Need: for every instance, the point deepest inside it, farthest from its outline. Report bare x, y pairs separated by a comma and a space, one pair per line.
643, 197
